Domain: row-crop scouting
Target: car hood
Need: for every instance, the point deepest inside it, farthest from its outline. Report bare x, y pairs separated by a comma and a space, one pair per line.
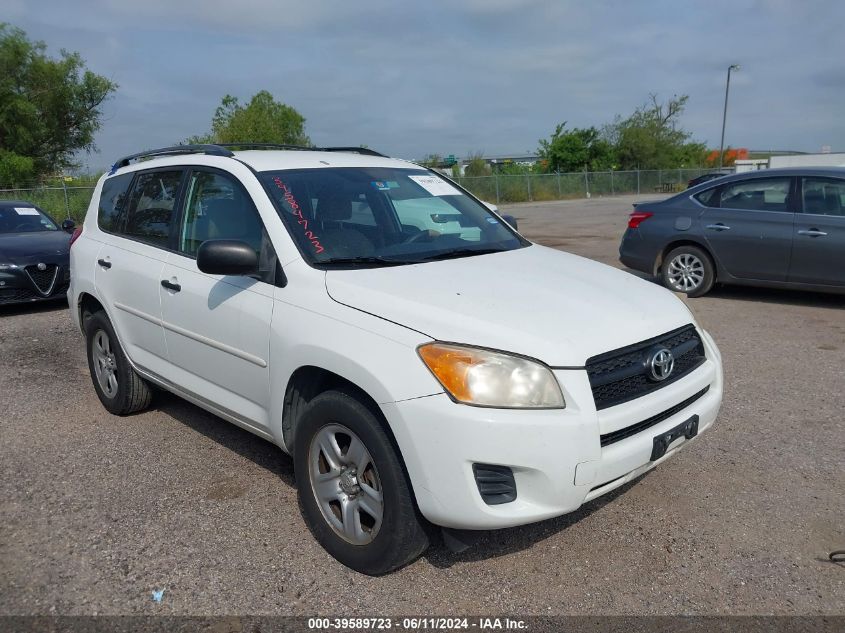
535, 301
42, 246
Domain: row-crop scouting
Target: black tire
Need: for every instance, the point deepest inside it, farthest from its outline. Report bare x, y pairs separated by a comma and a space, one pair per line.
401, 536
702, 265
132, 393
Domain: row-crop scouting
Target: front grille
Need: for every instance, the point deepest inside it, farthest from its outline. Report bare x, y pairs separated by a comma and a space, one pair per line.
43, 279
622, 375
628, 431
495, 483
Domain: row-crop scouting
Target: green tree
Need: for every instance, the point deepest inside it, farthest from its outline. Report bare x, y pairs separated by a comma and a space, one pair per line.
262, 120
476, 165
432, 161
49, 108
651, 137
576, 149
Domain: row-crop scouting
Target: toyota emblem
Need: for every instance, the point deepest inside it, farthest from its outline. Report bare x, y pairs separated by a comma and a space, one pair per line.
660, 364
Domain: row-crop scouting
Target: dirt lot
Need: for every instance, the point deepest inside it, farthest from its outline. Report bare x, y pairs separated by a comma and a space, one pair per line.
98, 511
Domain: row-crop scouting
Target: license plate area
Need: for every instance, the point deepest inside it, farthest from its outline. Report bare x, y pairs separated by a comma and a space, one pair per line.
687, 429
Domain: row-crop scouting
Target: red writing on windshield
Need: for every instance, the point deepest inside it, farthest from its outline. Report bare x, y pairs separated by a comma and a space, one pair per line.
297, 212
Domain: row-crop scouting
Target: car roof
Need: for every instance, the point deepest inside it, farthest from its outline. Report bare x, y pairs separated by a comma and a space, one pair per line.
835, 172
17, 203
268, 160
271, 160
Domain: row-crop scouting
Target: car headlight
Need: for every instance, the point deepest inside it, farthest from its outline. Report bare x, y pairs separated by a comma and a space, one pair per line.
8, 266
492, 379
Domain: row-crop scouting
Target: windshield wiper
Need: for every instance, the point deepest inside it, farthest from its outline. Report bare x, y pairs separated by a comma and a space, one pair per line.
463, 252
375, 260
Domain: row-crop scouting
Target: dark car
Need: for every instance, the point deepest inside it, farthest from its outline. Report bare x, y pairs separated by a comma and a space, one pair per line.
706, 177
33, 254
776, 227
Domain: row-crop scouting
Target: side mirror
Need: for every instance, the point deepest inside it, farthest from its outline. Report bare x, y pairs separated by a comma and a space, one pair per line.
68, 225
227, 257
512, 221
491, 206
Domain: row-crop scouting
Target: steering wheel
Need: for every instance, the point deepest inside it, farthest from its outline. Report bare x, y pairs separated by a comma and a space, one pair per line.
426, 234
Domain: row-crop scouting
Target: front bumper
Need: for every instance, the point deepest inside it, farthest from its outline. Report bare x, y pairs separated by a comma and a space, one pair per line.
17, 285
555, 455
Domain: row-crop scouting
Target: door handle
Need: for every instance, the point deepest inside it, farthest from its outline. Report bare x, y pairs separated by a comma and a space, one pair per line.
104, 263
170, 286
812, 232
719, 227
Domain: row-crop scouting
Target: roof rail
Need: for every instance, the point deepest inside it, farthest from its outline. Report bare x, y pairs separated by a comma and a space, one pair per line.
267, 146
353, 150
225, 149
214, 150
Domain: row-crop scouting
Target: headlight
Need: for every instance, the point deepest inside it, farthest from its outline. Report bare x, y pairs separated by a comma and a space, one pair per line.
492, 379
8, 266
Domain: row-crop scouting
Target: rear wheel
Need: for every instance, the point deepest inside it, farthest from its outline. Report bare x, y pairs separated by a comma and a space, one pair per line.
119, 387
688, 269
354, 493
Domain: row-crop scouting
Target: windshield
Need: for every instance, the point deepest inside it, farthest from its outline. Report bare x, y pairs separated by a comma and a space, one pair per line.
24, 219
368, 216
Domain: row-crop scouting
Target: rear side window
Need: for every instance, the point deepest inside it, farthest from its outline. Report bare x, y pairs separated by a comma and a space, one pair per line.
708, 197
111, 214
150, 207
760, 194
824, 196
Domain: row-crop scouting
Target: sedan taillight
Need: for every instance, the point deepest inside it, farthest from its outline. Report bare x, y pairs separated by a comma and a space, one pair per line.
637, 218
75, 235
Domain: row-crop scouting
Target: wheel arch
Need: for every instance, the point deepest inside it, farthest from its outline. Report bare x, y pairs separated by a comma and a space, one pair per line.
309, 381
686, 241
88, 303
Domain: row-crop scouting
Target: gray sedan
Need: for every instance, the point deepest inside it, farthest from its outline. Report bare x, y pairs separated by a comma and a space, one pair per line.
776, 227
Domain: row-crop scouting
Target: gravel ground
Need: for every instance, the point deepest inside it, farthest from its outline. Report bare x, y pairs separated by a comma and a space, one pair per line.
98, 511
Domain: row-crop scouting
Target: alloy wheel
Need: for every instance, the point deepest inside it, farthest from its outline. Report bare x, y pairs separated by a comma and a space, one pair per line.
685, 272
105, 363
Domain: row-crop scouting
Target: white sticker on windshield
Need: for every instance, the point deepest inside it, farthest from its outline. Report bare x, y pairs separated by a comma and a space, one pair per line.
26, 211
435, 186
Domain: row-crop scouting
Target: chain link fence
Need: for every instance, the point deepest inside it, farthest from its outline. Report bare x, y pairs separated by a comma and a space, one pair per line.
71, 201
60, 201
501, 188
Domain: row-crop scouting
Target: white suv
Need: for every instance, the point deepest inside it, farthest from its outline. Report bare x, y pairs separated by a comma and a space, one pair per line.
420, 360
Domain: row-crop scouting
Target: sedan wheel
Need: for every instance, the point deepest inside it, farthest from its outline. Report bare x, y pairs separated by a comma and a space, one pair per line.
688, 269
686, 272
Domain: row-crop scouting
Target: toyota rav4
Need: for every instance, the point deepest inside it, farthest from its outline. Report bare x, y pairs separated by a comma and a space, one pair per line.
422, 362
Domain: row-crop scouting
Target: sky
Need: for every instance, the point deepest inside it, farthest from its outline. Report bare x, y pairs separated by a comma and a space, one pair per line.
456, 77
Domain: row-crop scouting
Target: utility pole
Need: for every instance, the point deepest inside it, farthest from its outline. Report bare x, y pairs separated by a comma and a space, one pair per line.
725, 113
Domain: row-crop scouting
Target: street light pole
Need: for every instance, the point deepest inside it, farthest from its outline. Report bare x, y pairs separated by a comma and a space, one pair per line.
725, 113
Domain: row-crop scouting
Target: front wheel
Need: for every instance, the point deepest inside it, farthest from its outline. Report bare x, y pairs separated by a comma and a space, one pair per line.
688, 269
353, 491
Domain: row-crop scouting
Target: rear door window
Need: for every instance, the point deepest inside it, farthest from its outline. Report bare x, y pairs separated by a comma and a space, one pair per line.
824, 196
151, 205
759, 194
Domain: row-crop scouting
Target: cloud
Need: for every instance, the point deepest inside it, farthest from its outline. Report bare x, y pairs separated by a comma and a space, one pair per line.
453, 77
